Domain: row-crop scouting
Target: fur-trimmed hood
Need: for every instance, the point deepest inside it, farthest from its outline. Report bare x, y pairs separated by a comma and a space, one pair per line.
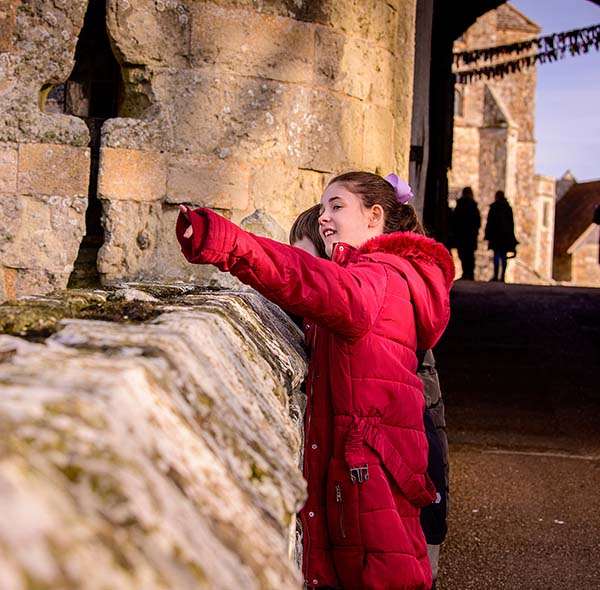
413, 247
427, 267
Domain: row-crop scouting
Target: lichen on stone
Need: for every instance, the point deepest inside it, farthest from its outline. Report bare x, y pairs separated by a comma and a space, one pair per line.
156, 453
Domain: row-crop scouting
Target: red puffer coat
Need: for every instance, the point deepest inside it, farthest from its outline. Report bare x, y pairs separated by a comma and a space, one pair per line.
368, 310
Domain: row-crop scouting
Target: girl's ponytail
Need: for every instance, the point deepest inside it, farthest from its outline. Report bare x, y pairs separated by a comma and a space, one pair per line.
403, 218
391, 193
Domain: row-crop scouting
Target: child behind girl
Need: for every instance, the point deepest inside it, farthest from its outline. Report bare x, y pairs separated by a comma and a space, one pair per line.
383, 295
305, 235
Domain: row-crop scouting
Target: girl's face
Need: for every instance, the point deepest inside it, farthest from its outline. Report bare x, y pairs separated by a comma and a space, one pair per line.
344, 218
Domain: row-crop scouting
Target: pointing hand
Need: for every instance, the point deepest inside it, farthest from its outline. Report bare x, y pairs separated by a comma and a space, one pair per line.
186, 211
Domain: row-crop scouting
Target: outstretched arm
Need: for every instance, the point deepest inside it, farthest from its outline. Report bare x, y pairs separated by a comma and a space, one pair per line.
344, 300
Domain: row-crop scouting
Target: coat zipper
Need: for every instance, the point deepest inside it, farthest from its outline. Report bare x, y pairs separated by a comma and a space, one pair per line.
339, 498
305, 532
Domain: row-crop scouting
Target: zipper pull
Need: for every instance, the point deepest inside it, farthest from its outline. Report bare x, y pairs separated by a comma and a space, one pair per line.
338, 493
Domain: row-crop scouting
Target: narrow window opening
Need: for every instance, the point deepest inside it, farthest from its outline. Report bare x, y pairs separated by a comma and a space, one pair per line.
546, 215
459, 109
92, 92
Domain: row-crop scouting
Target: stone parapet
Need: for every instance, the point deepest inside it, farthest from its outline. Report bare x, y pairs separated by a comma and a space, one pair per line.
151, 439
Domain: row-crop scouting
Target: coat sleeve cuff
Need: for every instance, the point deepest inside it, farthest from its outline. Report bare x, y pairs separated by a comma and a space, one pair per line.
212, 239
191, 247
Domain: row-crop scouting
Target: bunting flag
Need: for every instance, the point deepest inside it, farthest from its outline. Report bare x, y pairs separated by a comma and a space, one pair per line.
540, 50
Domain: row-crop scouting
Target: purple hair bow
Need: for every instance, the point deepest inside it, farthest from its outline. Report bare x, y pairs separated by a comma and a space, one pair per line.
402, 189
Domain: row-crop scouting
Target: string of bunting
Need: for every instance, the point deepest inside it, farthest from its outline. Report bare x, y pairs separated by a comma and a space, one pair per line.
549, 48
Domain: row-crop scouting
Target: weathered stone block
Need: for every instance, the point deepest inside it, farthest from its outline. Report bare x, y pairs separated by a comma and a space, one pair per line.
8, 170
48, 169
7, 283
262, 224
214, 112
379, 153
354, 66
327, 133
130, 239
8, 11
287, 193
41, 232
149, 32
45, 40
132, 175
11, 211
368, 19
208, 182
140, 244
252, 44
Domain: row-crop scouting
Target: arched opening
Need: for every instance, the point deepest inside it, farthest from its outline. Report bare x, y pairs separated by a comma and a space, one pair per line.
92, 92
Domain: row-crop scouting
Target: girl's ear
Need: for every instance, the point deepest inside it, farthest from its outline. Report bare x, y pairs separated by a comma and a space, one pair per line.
376, 216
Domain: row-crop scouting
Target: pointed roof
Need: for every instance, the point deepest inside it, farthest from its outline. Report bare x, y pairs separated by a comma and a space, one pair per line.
510, 18
574, 214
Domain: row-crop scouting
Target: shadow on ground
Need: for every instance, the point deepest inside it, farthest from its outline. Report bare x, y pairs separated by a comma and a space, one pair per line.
520, 369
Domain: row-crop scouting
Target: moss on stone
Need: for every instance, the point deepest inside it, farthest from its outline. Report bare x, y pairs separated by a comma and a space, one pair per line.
37, 319
256, 473
72, 472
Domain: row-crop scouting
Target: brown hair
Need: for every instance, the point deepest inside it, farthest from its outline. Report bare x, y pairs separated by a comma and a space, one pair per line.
307, 226
375, 190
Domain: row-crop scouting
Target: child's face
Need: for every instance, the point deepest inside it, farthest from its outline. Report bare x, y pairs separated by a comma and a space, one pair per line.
307, 245
344, 218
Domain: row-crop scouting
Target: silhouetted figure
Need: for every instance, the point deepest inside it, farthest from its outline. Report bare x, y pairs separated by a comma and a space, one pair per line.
466, 222
500, 234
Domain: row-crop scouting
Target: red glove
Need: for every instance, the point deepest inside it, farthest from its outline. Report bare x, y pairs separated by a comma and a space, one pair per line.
191, 247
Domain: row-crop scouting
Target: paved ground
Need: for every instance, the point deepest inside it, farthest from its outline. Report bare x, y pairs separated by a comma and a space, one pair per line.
521, 375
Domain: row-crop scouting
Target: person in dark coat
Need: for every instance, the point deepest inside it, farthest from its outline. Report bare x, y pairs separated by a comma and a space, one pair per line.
435, 516
500, 234
466, 222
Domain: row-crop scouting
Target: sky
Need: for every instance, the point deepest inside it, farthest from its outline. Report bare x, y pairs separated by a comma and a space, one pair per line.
568, 94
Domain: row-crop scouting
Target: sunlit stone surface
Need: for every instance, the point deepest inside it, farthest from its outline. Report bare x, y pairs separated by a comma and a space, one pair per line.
155, 454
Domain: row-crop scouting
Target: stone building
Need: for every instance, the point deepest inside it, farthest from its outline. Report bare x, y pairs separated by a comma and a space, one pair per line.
125, 109
577, 234
494, 147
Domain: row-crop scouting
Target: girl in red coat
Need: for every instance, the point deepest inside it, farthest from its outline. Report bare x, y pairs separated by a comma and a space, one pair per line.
382, 296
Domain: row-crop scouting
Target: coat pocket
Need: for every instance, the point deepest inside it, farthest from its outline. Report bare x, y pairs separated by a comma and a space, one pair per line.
342, 506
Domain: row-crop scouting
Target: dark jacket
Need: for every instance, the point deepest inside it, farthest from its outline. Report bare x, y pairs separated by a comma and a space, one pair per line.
368, 310
465, 223
434, 517
500, 227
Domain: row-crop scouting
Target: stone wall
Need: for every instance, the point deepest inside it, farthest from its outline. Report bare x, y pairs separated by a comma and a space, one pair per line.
44, 160
158, 451
231, 104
